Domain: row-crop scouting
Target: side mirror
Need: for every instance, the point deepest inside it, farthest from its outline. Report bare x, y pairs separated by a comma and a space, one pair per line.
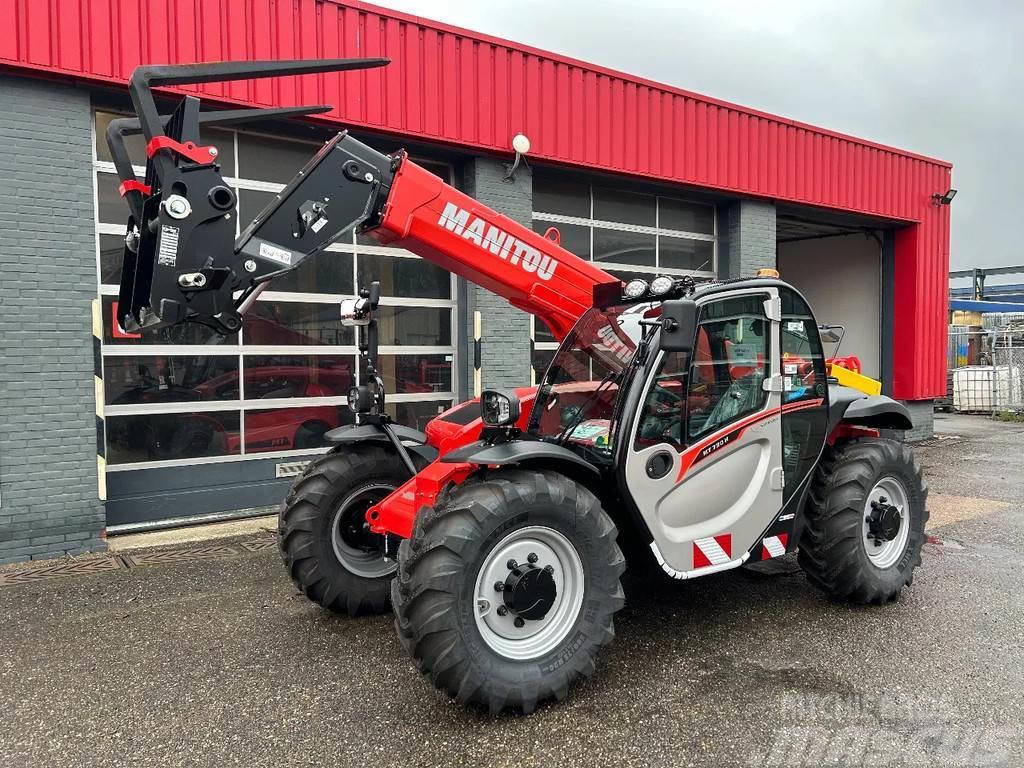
678, 325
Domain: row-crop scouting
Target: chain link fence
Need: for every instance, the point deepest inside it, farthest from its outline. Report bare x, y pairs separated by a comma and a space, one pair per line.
985, 366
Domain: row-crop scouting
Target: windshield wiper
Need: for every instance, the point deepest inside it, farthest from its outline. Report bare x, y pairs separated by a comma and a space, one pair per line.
609, 378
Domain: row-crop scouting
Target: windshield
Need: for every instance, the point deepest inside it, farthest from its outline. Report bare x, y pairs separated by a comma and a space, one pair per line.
577, 395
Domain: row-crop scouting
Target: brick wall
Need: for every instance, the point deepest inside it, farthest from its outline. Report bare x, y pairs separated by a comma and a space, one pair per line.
749, 238
505, 350
922, 414
48, 490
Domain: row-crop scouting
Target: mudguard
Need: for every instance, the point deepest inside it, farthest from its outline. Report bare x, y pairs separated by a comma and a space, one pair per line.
411, 439
516, 452
358, 433
875, 411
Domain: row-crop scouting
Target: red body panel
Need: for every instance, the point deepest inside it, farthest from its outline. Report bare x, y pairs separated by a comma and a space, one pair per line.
397, 512
467, 89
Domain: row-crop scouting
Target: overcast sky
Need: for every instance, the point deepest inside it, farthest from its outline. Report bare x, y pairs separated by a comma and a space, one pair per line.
941, 78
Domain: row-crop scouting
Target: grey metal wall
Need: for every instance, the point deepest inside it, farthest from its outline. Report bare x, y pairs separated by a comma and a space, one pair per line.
49, 501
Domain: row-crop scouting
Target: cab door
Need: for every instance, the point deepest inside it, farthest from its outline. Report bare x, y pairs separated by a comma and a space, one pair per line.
705, 465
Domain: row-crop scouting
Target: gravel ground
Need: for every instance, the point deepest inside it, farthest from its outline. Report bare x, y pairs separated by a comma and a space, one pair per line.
217, 663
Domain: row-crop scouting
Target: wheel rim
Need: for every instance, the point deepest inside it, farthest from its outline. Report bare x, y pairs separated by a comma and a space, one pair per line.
887, 492
360, 551
535, 637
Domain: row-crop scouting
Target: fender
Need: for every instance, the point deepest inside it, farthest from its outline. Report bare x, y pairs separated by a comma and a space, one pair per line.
404, 439
516, 452
875, 411
358, 433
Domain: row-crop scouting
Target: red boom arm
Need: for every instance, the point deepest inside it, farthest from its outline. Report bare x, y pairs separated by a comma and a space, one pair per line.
436, 221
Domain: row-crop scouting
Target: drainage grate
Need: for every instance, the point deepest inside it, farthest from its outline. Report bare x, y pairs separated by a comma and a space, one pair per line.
30, 573
158, 556
261, 545
82, 567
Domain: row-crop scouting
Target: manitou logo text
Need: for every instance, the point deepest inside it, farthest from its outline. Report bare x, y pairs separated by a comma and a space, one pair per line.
497, 241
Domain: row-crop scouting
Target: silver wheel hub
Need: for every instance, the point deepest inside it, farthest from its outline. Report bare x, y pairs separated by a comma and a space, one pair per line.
529, 592
886, 526
360, 551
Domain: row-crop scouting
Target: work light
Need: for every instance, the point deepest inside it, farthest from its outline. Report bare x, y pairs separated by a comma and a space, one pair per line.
635, 288
661, 285
498, 409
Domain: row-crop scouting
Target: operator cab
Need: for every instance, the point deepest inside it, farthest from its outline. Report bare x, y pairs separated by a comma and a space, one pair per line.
706, 405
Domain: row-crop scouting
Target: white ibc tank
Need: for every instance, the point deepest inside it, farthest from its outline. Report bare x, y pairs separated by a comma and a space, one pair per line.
974, 387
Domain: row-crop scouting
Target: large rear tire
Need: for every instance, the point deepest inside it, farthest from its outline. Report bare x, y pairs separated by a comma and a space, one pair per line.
865, 521
328, 550
539, 536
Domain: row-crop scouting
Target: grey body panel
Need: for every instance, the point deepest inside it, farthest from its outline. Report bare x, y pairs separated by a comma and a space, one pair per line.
736, 490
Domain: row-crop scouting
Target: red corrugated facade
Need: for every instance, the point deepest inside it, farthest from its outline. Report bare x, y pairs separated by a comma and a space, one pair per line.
468, 89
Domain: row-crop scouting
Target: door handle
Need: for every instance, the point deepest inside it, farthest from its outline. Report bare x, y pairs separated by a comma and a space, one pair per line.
659, 464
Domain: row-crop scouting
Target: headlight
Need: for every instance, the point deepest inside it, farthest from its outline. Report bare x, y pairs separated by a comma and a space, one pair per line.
661, 285
635, 288
498, 409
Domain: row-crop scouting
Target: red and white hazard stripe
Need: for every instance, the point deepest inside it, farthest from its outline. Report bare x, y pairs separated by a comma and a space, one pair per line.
774, 546
714, 550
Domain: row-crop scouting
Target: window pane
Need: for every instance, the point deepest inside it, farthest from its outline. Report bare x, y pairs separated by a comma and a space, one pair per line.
624, 207
164, 436
403, 276
112, 208
277, 160
416, 374
541, 332
624, 247
553, 193
541, 360
415, 326
574, 238
729, 365
251, 203
111, 258
286, 323
271, 377
187, 333
689, 217
677, 253
137, 380
327, 272
416, 415
288, 429
136, 145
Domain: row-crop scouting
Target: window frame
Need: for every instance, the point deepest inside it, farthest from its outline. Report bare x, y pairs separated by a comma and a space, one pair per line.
657, 230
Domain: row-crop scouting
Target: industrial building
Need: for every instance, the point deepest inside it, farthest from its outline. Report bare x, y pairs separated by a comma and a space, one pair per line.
644, 178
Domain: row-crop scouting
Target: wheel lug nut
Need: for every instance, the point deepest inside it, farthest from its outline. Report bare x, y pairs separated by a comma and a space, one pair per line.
519, 622
549, 569
883, 500
499, 586
502, 610
532, 557
512, 564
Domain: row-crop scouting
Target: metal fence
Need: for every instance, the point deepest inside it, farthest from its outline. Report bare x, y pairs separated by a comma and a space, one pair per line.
985, 366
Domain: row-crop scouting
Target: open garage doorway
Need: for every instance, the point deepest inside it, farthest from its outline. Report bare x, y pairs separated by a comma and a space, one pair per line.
838, 268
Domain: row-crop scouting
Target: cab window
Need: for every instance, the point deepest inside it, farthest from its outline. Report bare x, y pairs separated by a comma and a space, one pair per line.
721, 381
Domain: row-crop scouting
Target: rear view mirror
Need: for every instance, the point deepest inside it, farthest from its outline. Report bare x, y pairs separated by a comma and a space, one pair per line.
678, 325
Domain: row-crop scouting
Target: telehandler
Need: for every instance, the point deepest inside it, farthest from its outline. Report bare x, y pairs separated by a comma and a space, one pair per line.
697, 422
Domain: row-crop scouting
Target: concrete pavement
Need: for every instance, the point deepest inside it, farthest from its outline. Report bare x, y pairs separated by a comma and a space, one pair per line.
214, 662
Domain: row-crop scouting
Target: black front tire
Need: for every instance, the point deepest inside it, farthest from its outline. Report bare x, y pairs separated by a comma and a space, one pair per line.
832, 552
434, 593
306, 529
